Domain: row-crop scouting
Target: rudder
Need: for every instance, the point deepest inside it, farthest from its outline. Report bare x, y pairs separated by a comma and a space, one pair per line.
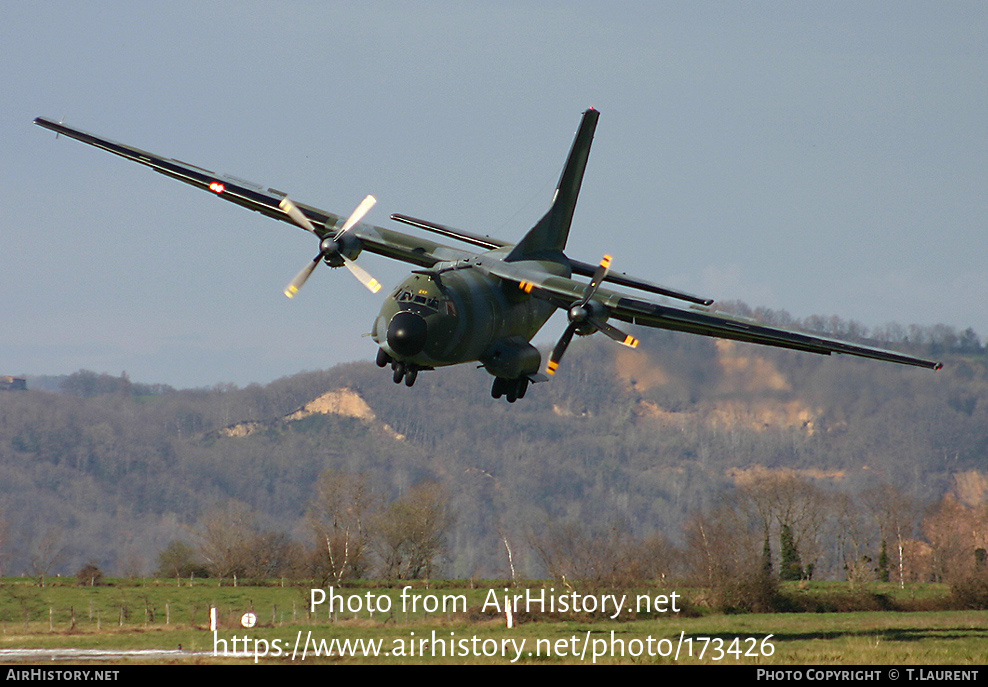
547, 239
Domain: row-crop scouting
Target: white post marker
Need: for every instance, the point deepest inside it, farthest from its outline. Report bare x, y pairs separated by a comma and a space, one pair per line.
212, 618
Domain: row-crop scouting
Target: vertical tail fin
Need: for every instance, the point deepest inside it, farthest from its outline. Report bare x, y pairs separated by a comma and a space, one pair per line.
547, 239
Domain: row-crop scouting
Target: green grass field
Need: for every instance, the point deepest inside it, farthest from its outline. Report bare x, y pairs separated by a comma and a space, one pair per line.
133, 615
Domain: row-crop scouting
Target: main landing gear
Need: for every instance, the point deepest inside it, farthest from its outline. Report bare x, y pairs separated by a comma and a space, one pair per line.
402, 371
511, 389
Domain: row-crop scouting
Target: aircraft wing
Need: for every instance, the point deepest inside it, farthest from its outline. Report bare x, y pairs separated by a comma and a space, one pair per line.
565, 292
386, 242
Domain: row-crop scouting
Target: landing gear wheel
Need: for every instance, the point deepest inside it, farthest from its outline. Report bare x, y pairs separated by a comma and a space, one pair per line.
522, 387
410, 374
399, 369
497, 390
511, 389
383, 359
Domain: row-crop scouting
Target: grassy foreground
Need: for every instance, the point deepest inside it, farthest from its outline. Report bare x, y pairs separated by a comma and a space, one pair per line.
443, 623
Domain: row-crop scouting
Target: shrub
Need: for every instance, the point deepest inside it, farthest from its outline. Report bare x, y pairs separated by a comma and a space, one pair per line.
89, 576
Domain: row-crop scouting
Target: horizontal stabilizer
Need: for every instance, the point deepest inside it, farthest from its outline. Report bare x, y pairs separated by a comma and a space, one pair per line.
585, 269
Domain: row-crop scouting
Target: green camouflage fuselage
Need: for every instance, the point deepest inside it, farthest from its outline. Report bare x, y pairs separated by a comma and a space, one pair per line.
470, 315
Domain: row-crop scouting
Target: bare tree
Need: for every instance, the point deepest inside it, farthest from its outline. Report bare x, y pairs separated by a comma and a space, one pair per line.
411, 532
802, 507
46, 552
958, 536
720, 545
895, 514
758, 500
179, 560
575, 551
227, 536
797, 506
339, 516
851, 539
567, 550
722, 553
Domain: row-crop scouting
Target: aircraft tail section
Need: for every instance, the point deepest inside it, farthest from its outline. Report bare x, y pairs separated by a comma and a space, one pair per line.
547, 239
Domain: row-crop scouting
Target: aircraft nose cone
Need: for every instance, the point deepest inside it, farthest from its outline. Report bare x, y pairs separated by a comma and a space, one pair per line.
407, 333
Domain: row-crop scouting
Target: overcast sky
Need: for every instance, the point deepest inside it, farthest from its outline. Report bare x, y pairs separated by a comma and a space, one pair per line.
822, 158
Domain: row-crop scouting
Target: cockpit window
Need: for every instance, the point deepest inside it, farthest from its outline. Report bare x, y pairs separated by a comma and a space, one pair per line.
403, 295
406, 296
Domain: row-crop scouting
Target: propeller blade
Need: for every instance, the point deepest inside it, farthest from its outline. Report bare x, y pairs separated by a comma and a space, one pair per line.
297, 216
598, 277
363, 275
580, 313
300, 219
365, 205
302, 277
557, 352
614, 333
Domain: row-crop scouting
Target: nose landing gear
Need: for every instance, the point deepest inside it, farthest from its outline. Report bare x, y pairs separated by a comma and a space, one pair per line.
402, 370
408, 371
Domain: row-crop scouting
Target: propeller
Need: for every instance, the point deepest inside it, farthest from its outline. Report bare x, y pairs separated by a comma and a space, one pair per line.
329, 246
588, 316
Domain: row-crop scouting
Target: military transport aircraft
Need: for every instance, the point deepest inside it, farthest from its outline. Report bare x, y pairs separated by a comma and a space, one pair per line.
462, 306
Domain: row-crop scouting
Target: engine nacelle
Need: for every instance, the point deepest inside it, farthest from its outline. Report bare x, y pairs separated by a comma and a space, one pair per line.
581, 313
333, 251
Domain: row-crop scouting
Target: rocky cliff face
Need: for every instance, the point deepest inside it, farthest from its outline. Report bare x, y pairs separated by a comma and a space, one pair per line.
343, 402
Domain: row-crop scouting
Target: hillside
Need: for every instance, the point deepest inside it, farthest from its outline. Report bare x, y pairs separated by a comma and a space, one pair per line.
639, 440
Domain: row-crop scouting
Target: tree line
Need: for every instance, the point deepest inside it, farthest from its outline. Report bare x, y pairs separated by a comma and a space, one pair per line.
354, 533
773, 526
111, 472
938, 339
